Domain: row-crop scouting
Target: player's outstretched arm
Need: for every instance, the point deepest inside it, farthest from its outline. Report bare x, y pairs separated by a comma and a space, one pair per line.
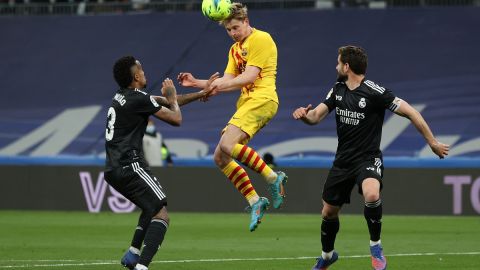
171, 114
309, 116
230, 82
407, 111
186, 79
202, 94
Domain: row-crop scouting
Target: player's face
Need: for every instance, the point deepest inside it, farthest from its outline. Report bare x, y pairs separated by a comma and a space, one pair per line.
341, 70
139, 75
238, 30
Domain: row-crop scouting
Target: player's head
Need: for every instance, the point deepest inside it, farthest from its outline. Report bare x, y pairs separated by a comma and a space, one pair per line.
128, 73
237, 24
351, 59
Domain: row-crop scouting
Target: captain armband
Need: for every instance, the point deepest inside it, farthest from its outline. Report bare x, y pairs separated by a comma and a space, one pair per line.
395, 104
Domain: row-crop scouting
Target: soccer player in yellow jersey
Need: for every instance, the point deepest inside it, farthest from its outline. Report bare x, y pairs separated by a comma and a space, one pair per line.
252, 68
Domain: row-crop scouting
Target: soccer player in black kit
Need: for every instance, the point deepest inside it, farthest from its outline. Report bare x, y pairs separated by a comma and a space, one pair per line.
126, 168
359, 105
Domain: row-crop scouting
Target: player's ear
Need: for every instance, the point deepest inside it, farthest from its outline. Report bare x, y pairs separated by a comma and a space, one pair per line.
136, 76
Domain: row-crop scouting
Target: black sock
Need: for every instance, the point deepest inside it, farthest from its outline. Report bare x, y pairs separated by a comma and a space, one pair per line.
141, 230
330, 229
373, 216
153, 239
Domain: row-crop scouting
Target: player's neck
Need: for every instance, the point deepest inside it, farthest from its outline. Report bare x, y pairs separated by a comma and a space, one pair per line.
134, 86
354, 81
249, 32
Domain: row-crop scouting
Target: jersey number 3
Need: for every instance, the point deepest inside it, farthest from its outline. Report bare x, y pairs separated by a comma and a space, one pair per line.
111, 116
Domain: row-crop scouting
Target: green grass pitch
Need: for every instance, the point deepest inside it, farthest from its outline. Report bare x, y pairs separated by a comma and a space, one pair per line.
205, 241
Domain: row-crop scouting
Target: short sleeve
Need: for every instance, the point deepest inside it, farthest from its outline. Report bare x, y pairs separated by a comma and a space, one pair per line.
261, 50
330, 100
231, 67
145, 104
386, 100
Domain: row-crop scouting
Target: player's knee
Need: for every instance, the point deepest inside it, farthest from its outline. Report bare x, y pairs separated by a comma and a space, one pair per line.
329, 213
371, 194
217, 158
162, 214
154, 208
226, 148
328, 216
162, 217
221, 160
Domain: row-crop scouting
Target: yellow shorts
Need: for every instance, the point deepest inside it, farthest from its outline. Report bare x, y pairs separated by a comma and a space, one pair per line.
253, 115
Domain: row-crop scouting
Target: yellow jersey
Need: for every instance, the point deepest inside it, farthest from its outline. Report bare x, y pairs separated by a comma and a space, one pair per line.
258, 50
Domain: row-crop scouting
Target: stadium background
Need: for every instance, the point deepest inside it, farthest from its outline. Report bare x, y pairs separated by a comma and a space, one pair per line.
57, 85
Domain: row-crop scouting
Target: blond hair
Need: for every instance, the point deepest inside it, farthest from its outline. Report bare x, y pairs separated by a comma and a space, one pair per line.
238, 12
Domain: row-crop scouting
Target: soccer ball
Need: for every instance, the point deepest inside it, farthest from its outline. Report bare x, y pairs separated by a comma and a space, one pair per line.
216, 10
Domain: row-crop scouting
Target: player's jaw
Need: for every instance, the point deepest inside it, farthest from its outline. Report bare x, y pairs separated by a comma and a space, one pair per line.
341, 77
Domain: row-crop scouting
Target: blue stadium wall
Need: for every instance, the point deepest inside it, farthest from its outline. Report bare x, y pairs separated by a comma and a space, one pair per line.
57, 77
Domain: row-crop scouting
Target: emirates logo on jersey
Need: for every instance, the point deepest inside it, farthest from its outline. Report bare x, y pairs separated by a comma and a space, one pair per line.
362, 103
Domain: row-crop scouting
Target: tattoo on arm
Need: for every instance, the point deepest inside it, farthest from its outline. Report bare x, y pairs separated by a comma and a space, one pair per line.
162, 101
187, 98
169, 92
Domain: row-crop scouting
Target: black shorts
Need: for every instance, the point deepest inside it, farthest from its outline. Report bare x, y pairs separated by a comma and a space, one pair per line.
341, 180
137, 183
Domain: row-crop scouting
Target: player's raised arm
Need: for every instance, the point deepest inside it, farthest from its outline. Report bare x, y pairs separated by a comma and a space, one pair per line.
171, 114
184, 99
405, 110
186, 79
309, 116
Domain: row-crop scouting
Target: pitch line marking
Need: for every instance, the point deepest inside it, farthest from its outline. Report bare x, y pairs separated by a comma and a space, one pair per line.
110, 262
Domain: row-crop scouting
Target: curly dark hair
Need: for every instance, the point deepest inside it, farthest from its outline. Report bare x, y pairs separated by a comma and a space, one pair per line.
356, 57
122, 71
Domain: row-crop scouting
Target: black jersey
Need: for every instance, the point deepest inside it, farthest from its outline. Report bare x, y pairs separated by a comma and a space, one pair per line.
359, 115
126, 122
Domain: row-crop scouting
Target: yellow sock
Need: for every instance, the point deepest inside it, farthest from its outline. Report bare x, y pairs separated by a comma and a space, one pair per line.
251, 159
239, 178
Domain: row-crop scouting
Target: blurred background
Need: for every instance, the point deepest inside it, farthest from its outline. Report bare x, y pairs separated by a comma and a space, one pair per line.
57, 84
56, 59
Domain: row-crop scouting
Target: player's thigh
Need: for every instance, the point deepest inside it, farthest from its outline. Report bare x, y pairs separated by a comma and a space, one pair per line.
253, 115
371, 170
338, 186
141, 187
231, 136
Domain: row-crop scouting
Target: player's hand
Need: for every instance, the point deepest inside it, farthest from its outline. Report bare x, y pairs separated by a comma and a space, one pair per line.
208, 90
302, 112
440, 149
168, 89
213, 88
186, 79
